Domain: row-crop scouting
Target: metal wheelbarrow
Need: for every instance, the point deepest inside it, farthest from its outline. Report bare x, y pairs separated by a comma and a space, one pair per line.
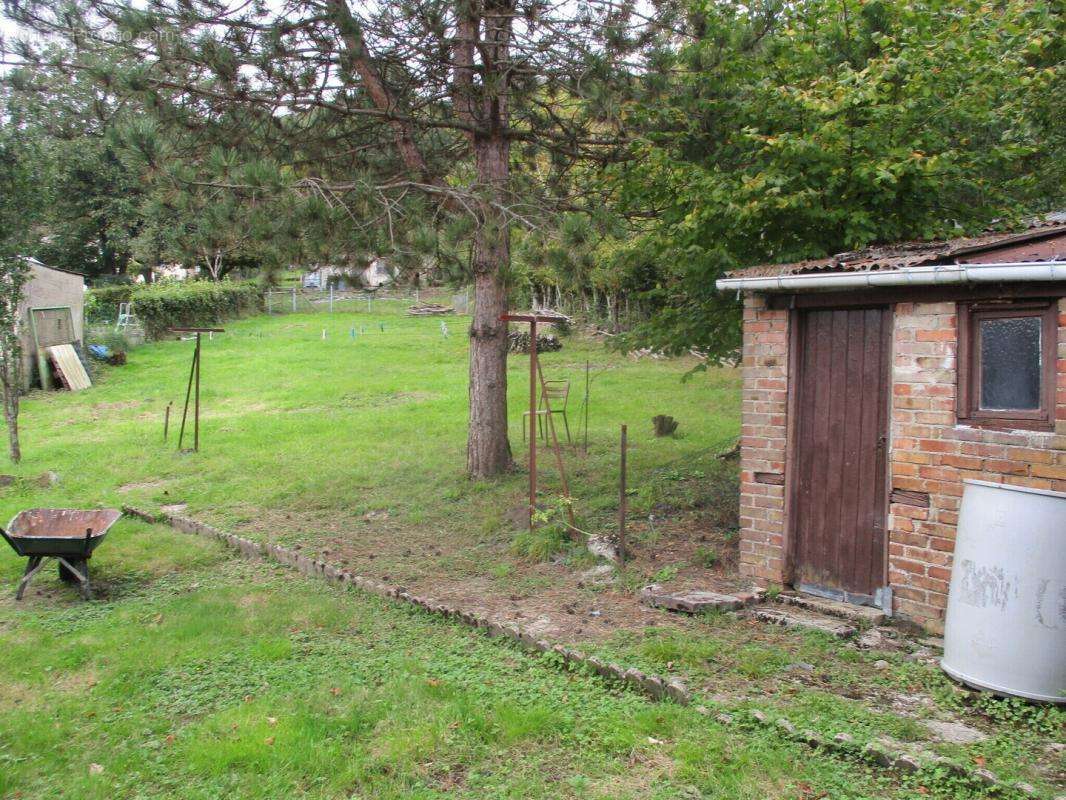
65, 534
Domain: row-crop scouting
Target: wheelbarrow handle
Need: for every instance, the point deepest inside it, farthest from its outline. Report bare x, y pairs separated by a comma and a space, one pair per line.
11, 541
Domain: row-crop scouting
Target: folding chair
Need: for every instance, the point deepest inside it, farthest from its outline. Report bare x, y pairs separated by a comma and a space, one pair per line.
553, 396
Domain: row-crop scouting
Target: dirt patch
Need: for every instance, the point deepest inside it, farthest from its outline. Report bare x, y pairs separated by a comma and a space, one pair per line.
141, 486
117, 406
358, 400
486, 576
77, 681
99, 411
15, 695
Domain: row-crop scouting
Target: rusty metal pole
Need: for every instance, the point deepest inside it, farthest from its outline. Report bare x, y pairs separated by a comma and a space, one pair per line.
194, 381
166, 421
534, 372
532, 421
622, 501
585, 445
196, 412
185, 408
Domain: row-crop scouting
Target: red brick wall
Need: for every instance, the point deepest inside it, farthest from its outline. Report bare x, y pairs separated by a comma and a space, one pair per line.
928, 451
763, 419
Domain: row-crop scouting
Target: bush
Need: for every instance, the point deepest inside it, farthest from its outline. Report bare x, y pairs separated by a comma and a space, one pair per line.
541, 543
194, 304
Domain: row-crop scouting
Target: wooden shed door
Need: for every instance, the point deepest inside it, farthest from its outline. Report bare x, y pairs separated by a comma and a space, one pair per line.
839, 463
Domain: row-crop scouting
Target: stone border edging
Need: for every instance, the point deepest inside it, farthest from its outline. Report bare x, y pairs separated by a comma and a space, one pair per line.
653, 686
879, 753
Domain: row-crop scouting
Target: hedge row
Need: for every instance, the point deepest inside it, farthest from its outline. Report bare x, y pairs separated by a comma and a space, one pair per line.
160, 306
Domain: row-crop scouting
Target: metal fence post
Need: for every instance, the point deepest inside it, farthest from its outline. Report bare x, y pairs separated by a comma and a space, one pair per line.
294, 300
331, 298
622, 499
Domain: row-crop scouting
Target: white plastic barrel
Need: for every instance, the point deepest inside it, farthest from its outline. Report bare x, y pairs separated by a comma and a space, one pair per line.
1005, 629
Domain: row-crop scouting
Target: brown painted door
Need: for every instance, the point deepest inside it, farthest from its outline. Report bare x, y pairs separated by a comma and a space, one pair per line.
838, 468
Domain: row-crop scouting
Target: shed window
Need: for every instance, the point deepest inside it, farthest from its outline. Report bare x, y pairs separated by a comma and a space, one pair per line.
1007, 364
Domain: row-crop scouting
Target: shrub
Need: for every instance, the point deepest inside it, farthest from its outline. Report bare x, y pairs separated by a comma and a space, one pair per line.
541, 543
160, 306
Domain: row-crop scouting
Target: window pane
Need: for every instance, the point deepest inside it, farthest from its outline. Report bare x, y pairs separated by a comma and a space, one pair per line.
1010, 363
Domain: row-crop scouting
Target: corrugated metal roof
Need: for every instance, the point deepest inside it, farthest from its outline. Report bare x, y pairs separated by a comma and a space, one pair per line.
1044, 239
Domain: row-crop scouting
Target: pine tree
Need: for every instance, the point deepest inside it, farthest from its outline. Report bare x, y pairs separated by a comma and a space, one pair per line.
365, 106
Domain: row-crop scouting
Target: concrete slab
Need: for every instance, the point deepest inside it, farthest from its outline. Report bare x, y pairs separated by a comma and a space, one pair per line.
860, 615
691, 601
800, 618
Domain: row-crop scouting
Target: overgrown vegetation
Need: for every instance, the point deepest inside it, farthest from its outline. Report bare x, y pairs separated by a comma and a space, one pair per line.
826, 685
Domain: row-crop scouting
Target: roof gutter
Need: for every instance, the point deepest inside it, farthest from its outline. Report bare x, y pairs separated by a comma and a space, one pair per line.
944, 274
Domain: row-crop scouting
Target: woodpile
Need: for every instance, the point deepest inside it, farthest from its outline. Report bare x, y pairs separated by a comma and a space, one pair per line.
646, 352
518, 342
429, 310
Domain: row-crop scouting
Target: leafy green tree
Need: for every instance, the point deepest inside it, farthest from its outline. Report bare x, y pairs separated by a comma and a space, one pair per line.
92, 213
780, 132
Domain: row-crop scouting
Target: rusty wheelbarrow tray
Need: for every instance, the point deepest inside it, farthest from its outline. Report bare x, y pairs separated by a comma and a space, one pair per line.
68, 535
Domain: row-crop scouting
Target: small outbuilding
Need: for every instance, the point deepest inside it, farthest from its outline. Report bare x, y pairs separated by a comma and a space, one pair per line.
874, 383
52, 312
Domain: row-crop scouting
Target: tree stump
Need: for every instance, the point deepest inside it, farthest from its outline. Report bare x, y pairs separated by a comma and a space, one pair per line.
664, 425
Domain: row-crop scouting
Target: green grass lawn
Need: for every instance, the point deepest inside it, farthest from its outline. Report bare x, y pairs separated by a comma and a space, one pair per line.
353, 445
199, 676
342, 426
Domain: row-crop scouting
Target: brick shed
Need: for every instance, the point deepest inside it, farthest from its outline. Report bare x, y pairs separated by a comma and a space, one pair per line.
875, 383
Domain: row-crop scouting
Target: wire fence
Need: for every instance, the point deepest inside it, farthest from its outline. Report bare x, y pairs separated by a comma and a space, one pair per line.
294, 300
329, 301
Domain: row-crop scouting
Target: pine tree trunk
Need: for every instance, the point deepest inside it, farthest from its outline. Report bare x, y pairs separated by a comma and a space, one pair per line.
488, 451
